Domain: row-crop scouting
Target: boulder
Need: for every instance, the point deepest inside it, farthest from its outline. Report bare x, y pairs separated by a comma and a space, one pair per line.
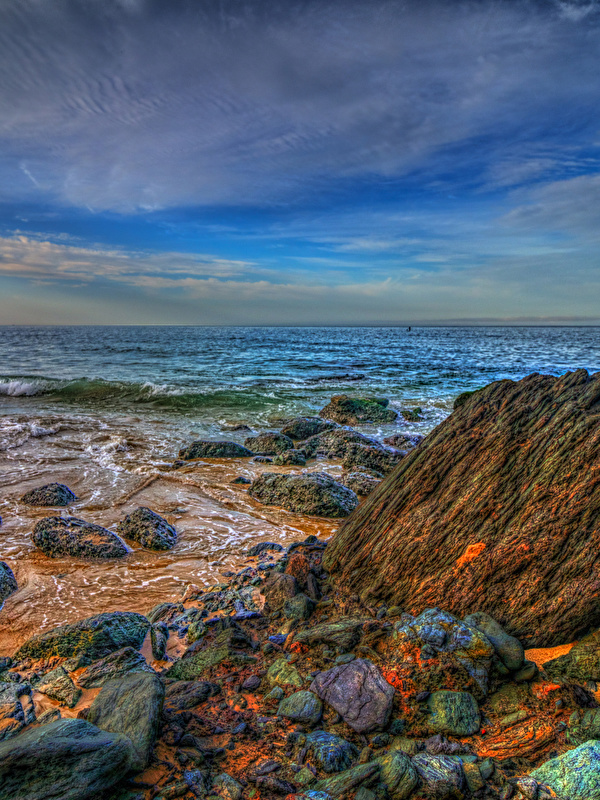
377, 459
116, 665
281, 673
262, 547
269, 444
303, 428
303, 707
344, 634
16, 708
334, 443
131, 706
57, 685
456, 713
581, 663
148, 529
298, 607
575, 774
331, 752
69, 536
8, 582
204, 449
228, 645
52, 494
94, 637
68, 759
358, 410
360, 483
293, 458
182, 695
509, 649
316, 494
584, 724
358, 692
398, 775
498, 509
343, 783
442, 776
278, 589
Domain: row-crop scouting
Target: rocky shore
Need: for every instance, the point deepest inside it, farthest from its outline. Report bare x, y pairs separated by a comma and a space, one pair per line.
286, 680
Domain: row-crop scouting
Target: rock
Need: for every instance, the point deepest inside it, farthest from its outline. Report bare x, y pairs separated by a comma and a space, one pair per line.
278, 589
442, 775
360, 483
377, 459
316, 494
334, 443
404, 441
581, 663
298, 607
303, 428
159, 639
94, 637
575, 774
480, 498
227, 646
16, 710
343, 634
331, 752
509, 649
263, 547
227, 787
57, 685
205, 449
398, 775
240, 480
69, 536
8, 582
148, 529
358, 410
165, 611
358, 692
456, 713
182, 695
584, 724
304, 707
52, 494
269, 444
290, 457
281, 673
412, 414
262, 460
67, 759
131, 706
116, 665
344, 782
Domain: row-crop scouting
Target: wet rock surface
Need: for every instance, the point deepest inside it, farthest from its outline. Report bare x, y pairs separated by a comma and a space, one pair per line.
52, 494
356, 410
206, 449
8, 582
303, 428
69, 536
496, 511
148, 529
315, 493
269, 444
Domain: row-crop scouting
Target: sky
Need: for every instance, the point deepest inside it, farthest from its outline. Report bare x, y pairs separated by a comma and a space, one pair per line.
300, 162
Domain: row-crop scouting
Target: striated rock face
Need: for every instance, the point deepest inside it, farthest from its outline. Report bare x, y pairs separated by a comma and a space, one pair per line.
69, 536
497, 511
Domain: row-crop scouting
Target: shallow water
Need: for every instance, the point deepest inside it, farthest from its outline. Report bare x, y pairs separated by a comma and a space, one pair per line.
105, 410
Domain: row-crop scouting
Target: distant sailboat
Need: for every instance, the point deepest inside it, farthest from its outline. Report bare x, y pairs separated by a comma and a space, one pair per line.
409, 329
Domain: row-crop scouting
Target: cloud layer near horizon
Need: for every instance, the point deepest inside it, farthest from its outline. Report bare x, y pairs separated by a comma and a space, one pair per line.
299, 161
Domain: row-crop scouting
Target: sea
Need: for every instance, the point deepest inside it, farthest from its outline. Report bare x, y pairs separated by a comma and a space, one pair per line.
105, 410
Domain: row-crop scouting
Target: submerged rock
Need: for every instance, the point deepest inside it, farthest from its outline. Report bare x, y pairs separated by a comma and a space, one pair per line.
8, 582
358, 692
68, 759
52, 494
131, 706
69, 536
94, 637
269, 444
303, 428
497, 509
148, 529
315, 493
356, 410
205, 449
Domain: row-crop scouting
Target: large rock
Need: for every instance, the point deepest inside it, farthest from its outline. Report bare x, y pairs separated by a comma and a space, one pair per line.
304, 427
203, 449
442, 776
360, 482
358, 692
331, 752
581, 663
116, 665
398, 775
314, 493
335, 443
52, 494
377, 459
149, 529
509, 649
574, 775
58, 686
68, 759
456, 713
498, 510
269, 444
303, 707
182, 695
8, 582
358, 410
69, 536
131, 706
94, 637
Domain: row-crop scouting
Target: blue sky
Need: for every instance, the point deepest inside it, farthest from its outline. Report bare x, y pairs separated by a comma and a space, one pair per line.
307, 162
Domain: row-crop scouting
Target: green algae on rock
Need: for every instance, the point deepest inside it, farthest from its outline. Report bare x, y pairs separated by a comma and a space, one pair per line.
358, 410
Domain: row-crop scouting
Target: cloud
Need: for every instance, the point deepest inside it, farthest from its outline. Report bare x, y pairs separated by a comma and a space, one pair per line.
137, 106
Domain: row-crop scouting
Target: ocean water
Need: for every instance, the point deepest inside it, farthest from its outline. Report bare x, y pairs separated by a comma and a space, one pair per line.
106, 409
